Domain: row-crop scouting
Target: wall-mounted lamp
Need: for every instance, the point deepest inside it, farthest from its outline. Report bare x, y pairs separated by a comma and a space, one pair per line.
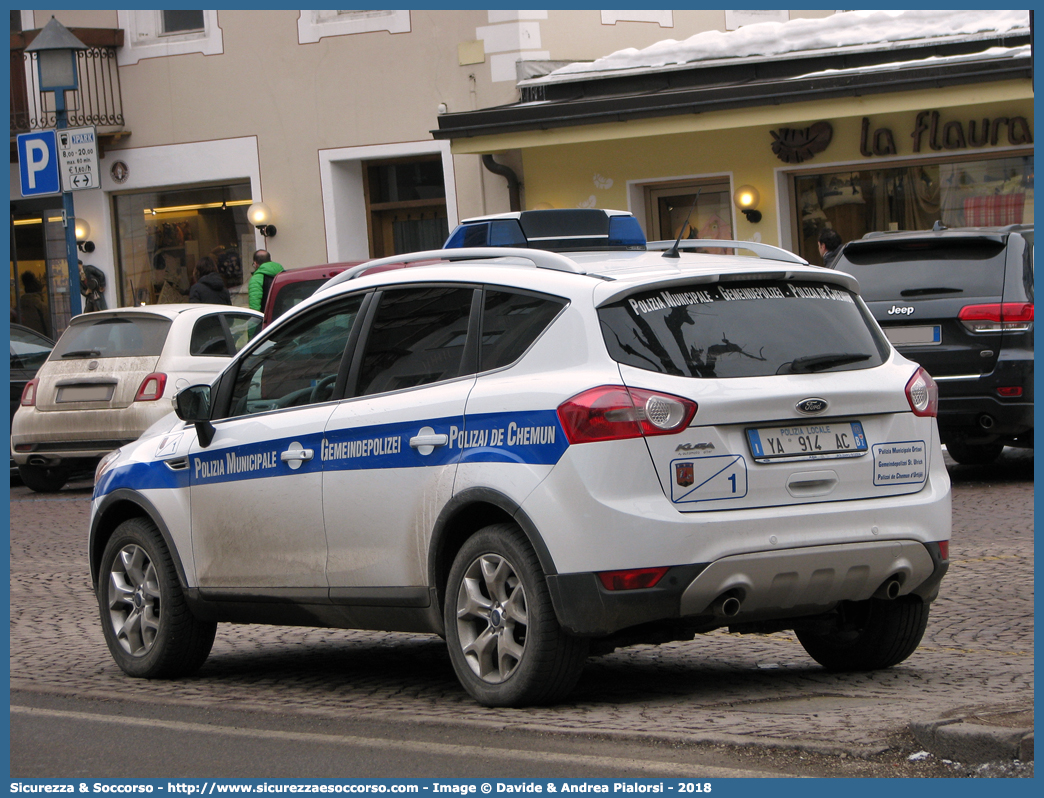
259, 215
747, 199
83, 232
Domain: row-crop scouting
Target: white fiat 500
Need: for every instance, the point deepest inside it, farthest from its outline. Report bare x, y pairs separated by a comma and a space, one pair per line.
536, 456
111, 376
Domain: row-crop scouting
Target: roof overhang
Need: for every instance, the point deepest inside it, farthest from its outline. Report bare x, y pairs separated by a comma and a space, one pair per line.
748, 83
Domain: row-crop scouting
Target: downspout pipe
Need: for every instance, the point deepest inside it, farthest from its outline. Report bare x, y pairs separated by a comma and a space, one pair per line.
512, 180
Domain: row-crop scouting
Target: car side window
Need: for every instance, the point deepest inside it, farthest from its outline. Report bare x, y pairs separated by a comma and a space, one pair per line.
209, 338
511, 323
297, 364
417, 337
243, 327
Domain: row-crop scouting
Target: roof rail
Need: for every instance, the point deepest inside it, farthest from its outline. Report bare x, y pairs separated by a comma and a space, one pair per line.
766, 251
540, 258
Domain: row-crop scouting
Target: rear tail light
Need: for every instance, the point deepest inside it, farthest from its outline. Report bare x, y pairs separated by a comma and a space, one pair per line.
1010, 391
634, 579
29, 392
613, 412
151, 388
944, 549
923, 394
997, 317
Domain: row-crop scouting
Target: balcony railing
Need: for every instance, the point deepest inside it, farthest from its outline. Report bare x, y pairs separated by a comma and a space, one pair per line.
96, 102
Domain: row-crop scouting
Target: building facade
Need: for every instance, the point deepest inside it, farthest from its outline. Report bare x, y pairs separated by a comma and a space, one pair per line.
860, 122
324, 116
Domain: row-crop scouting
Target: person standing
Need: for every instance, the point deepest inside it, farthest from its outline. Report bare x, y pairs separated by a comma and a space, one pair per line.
209, 286
829, 246
32, 306
264, 270
92, 286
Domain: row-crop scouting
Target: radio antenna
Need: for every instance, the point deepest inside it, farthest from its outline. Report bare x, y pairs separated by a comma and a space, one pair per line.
673, 251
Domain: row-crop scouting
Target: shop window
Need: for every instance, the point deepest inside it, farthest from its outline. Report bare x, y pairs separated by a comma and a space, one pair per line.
671, 210
407, 206
39, 280
991, 192
162, 235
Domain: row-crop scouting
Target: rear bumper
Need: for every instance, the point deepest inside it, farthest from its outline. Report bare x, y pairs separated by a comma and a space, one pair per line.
58, 436
971, 405
768, 585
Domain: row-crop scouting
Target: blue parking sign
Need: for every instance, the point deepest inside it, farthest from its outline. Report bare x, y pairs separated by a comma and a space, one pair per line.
38, 163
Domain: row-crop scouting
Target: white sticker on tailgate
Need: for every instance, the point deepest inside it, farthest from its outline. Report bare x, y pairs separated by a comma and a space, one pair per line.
701, 479
901, 463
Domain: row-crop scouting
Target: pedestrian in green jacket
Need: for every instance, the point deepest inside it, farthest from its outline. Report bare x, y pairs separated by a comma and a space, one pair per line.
264, 270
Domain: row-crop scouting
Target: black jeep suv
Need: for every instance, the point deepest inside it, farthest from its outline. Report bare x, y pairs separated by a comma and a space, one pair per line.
959, 301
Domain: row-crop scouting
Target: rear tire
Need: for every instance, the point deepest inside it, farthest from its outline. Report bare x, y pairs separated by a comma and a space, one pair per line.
43, 480
974, 453
504, 640
148, 627
873, 634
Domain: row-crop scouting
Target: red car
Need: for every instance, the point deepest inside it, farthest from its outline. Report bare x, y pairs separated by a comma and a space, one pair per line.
293, 286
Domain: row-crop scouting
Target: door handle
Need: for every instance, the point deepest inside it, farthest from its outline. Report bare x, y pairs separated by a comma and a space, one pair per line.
296, 455
427, 439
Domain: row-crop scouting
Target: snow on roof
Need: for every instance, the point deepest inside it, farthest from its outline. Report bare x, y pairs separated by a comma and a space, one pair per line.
772, 39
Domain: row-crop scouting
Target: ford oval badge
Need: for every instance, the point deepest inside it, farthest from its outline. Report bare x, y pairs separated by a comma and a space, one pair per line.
811, 406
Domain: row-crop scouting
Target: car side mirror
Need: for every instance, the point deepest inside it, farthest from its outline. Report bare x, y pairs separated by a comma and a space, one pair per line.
193, 405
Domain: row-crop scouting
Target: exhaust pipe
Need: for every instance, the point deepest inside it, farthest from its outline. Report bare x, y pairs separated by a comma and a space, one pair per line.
986, 421
889, 590
726, 606
43, 462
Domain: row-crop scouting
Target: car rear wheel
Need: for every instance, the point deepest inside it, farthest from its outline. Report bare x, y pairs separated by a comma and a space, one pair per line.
148, 627
504, 640
871, 635
974, 453
43, 480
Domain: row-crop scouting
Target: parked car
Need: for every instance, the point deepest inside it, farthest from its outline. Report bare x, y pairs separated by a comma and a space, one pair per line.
29, 349
960, 303
293, 286
537, 457
111, 375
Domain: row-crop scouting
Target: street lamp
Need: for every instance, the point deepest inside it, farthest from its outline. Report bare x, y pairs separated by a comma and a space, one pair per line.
55, 49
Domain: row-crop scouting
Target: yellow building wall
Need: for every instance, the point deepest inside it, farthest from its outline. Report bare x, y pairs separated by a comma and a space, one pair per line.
564, 170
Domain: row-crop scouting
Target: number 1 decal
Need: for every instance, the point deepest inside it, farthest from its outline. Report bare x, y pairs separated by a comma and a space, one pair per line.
703, 479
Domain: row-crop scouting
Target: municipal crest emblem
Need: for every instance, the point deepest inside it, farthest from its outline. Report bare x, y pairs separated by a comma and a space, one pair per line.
683, 474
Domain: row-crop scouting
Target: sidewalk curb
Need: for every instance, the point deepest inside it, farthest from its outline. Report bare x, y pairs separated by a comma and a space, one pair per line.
970, 743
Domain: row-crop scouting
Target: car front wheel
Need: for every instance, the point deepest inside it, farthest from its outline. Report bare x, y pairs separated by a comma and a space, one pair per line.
148, 627
870, 635
504, 640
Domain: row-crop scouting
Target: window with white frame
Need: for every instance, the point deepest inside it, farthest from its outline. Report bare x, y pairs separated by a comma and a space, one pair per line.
314, 25
154, 33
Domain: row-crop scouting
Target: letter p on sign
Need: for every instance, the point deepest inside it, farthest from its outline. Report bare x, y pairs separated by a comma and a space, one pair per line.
38, 165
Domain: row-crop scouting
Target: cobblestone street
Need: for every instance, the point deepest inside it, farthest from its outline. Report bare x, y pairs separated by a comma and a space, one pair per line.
978, 650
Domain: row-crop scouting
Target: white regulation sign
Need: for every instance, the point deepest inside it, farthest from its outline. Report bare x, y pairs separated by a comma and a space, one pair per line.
78, 157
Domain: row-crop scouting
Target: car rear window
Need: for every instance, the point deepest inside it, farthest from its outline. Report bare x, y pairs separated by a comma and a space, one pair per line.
748, 329
126, 336
511, 323
894, 270
294, 294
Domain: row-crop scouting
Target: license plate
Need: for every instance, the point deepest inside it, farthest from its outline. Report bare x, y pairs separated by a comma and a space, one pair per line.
807, 441
914, 336
85, 393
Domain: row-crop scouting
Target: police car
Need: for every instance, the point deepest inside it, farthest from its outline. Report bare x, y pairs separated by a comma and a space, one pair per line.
539, 456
